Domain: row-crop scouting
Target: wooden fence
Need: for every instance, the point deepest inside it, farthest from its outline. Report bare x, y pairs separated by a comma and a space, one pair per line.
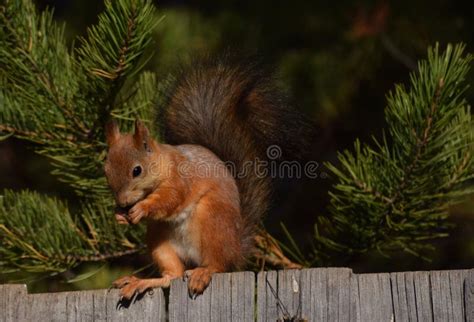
321, 294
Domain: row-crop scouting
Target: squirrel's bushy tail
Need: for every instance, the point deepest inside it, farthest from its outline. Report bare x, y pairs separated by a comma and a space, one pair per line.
234, 109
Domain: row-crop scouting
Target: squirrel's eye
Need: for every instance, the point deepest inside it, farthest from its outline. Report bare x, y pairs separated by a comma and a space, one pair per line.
136, 171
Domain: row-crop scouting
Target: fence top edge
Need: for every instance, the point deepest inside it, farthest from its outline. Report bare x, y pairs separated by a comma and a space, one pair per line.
23, 287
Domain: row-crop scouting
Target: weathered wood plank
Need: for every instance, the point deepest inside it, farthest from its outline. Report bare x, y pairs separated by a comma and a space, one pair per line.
154, 302
14, 296
411, 295
3, 304
178, 301
441, 296
221, 297
322, 294
99, 304
267, 291
149, 306
229, 297
469, 295
183, 308
314, 300
401, 292
424, 307
375, 297
199, 309
354, 308
289, 294
243, 296
452, 285
456, 286
79, 306
339, 294
45, 307
447, 295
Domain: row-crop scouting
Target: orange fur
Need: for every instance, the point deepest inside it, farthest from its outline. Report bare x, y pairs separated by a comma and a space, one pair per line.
200, 222
193, 219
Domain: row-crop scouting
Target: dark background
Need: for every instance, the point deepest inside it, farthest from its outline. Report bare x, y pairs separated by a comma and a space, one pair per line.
337, 60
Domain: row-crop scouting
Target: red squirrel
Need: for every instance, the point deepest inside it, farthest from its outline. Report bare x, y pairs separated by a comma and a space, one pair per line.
201, 196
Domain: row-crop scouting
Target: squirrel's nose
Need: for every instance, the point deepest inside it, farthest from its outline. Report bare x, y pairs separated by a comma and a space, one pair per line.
122, 204
122, 201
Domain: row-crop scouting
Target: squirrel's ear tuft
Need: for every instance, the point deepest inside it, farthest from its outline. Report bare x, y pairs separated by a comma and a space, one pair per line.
112, 132
141, 136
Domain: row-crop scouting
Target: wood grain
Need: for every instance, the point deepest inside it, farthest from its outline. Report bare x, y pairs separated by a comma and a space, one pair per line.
319, 294
375, 297
99, 305
229, 297
469, 295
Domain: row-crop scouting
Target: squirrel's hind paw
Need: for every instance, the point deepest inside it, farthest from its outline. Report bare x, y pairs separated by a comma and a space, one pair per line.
130, 285
198, 280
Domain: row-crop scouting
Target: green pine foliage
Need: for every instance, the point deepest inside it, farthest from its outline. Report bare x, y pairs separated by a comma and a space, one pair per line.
59, 98
40, 234
394, 194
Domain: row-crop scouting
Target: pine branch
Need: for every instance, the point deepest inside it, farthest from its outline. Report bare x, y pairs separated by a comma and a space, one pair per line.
112, 51
28, 219
30, 63
394, 196
61, 100
141, 101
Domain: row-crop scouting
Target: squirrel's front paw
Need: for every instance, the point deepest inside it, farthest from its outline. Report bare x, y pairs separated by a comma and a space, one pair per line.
137, 212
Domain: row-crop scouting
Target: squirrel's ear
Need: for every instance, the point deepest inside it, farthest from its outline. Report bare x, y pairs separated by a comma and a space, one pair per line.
112, 132
141, 136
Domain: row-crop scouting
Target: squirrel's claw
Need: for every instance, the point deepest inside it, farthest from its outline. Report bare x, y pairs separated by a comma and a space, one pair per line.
137, 213
198, 280
187, 274
193, 295
131, 287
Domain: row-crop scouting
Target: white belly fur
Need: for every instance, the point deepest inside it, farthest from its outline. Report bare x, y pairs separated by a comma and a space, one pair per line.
181, 239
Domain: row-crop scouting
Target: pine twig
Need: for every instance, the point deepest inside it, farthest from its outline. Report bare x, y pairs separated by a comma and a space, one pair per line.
269, 252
